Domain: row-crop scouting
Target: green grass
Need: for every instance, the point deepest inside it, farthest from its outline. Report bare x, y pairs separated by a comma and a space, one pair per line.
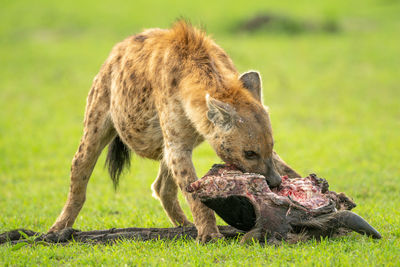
334, 101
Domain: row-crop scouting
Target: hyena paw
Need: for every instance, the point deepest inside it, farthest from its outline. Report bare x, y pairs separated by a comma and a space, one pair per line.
209, 237
57, 227
187, 224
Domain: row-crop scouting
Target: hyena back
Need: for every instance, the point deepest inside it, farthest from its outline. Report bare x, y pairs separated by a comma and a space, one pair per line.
161, 93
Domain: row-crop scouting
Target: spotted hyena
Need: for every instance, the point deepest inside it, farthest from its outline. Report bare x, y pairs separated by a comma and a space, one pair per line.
160, 93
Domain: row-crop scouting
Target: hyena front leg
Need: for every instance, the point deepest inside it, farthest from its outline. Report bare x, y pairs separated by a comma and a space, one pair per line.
98, 131
179, 140
165, 188
180, 162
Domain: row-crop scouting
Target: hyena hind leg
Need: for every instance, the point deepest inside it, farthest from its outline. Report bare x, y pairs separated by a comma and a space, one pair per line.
98, 132
165, 189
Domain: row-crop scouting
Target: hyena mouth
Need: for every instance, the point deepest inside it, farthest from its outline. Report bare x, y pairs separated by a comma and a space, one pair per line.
298, 207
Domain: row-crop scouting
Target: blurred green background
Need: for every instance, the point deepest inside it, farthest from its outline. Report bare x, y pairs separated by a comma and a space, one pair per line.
330, 72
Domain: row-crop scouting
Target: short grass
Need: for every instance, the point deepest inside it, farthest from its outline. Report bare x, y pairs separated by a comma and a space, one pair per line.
334, 101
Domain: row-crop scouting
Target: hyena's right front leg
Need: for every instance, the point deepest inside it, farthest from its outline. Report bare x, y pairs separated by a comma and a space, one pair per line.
179, 141
180, 163
98, 132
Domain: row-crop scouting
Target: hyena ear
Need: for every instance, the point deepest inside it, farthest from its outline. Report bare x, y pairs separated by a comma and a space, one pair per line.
251, 80
219, 113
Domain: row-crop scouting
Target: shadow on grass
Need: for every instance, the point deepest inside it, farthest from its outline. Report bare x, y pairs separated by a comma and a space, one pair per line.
280, 23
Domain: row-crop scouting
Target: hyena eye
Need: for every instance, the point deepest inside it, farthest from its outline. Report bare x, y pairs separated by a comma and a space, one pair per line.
250, 155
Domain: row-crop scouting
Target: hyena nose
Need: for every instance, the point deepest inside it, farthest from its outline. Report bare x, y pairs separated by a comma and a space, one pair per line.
273, 178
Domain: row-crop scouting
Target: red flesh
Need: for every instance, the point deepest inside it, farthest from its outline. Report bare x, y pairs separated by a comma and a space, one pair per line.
302, 190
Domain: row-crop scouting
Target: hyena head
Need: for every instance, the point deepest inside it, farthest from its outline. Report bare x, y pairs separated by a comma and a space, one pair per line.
242, 134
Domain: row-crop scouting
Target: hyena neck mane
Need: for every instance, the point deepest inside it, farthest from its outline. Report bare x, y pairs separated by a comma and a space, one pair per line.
211, 79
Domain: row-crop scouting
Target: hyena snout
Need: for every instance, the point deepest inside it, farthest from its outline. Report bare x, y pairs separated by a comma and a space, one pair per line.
272, 176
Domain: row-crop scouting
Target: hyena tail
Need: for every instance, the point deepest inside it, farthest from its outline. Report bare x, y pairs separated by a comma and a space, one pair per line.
118, 157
